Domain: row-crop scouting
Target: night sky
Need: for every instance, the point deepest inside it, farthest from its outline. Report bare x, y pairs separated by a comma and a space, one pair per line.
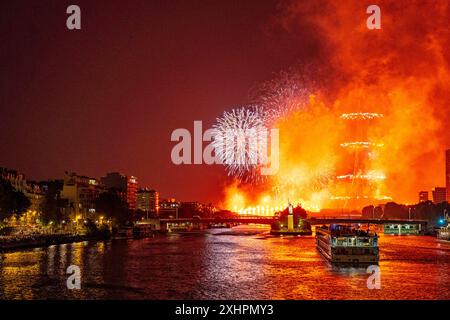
107, 97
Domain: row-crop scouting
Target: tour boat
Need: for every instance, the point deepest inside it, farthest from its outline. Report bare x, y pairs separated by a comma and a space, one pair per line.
342, 244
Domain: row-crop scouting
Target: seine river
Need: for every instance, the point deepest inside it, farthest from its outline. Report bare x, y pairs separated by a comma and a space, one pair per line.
239, 263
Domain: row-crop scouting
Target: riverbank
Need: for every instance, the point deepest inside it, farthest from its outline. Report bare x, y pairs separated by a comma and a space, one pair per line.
44, 240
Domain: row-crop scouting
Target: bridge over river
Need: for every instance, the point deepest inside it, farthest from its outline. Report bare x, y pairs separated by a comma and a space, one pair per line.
313, 221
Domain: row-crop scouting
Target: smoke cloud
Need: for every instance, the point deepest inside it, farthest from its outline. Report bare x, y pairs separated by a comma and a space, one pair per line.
400, 71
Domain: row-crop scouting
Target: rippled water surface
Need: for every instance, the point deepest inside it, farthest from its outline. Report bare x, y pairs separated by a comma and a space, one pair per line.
239, 263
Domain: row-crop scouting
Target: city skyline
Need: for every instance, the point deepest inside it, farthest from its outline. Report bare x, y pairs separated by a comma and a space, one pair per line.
119, 181
21, 182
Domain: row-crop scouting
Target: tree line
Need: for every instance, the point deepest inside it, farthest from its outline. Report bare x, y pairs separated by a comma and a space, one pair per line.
426, 210
12, 202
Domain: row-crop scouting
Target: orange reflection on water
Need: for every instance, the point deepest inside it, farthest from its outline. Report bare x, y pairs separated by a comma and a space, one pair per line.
19, 271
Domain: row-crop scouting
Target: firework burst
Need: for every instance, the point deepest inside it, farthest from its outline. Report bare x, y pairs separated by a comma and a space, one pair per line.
279, 97
240, 142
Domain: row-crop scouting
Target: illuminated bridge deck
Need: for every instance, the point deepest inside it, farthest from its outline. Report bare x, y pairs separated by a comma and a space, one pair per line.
312, 221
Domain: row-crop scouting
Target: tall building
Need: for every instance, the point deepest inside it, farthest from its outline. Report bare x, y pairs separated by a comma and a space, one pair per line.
447, 173
81, 193
147, 200
423, 196
439, 195
126, 186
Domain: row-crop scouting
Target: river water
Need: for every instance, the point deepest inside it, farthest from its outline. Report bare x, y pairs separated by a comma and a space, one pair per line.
239, 263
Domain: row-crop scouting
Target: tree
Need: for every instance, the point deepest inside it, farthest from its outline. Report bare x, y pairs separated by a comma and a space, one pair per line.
6, 191
21, 203
439, 213
394, 210
276, 225
51, 209
425, 210
12, 202
371, 212
368, 211
113, 206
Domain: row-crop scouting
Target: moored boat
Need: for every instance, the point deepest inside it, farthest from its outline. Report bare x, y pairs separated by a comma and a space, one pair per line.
444, 232
142, 231
123, 233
